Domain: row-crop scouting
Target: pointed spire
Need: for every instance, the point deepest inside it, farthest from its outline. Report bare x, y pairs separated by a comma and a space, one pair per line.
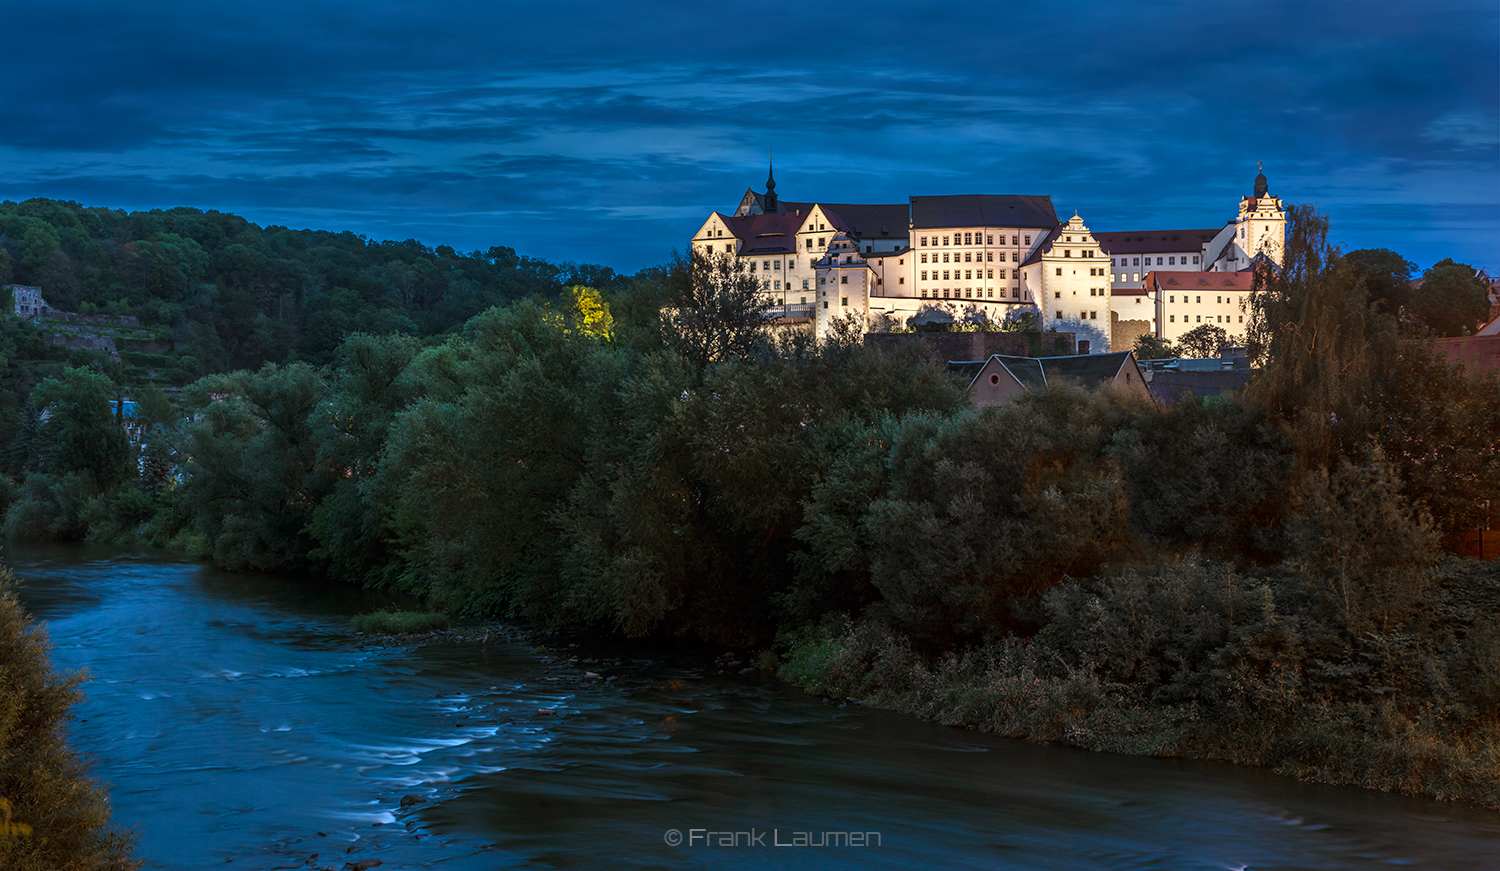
771, 185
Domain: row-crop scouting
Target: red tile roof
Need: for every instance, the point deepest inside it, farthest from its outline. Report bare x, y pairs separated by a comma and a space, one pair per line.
1205, 280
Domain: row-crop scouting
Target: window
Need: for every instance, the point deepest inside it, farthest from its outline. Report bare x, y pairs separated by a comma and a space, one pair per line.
1196, 299
1200, 319
804, 300
968, 238
901, 280
1135, 276
1171, 261
945, 240
924, 275
728, 246
778, 284
791, 263
924, 258
1057, 294
844, 300
1015, 273
991, 292
924, 293
968, 257
924, 241
752, 265
945, 275
804, 285
969, 274
992, 273
809, 242
1028, 240
843, 279
1171, 319
991, 256
766, 285
1015, 293
820, 241
879, 280
1067, 252
1219, 299
767, 267
1013, 240
1059, 270
945, 256
1059, 315
989, 240
1093, 316
1195, 259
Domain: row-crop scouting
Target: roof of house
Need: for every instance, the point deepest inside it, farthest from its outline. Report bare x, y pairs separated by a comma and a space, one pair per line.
866, 221
983, 210
1167, 387
1128, 291
1153, 241
1169, 280
1034, 373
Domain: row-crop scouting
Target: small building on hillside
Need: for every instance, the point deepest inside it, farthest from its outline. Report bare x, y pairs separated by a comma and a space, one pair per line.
1002, 378
27, 302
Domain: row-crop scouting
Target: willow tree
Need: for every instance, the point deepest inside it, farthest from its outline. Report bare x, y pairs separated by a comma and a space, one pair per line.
1322, 347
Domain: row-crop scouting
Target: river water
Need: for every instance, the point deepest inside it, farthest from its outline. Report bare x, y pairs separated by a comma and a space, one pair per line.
242, 726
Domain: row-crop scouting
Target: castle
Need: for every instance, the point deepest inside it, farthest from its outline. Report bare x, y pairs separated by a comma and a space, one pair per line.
996, 255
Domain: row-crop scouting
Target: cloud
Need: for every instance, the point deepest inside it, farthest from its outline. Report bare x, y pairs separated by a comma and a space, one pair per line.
613, 128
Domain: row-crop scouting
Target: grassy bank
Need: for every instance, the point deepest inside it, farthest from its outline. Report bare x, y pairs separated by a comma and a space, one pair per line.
1193, 660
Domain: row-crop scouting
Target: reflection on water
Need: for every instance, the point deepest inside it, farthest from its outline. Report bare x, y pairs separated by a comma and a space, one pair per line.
238, 721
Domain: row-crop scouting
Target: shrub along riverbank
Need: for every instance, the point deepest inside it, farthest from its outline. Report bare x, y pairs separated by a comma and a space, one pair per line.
1256, 580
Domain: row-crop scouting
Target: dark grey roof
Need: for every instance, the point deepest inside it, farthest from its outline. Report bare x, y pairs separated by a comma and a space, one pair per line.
983, 210
1087, 369
1168, 387
1027, 370
871, 221
969, 369
1154, 241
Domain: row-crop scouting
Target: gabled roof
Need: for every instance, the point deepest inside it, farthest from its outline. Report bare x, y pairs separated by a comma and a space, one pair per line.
1035, 373
1155, 241
1201, 280
1128, 291
983, 210
1044, 246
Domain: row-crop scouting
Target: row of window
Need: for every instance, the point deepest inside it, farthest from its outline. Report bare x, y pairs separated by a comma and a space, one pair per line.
969, 257
1087, 252
970, 239
791, 263
1217, 319
1171, 261
1198, 299
972, 293
968, 274
1082, 316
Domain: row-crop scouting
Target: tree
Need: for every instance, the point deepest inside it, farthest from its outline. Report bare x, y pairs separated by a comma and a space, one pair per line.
1153, 347
1202, 341
717, 308
1386, 276
1452, 300
590, 313
81, 432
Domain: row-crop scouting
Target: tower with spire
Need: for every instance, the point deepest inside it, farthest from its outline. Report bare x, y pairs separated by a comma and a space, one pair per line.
770, 200
1260, 228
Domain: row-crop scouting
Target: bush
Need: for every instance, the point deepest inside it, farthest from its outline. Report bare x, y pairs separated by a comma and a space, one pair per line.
399, 622
43, 784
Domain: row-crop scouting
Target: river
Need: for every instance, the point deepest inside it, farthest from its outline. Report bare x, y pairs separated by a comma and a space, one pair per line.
240, 725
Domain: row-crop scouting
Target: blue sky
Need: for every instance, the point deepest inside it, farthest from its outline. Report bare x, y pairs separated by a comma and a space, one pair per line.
605, 132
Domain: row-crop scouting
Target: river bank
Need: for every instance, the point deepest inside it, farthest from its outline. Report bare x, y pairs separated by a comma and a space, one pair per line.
1159, 664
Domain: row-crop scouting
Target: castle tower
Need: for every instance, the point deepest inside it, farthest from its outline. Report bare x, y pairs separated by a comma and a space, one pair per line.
1260, 227
770, 206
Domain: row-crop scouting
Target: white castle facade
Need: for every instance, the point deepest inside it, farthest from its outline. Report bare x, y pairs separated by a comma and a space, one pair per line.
996, 255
